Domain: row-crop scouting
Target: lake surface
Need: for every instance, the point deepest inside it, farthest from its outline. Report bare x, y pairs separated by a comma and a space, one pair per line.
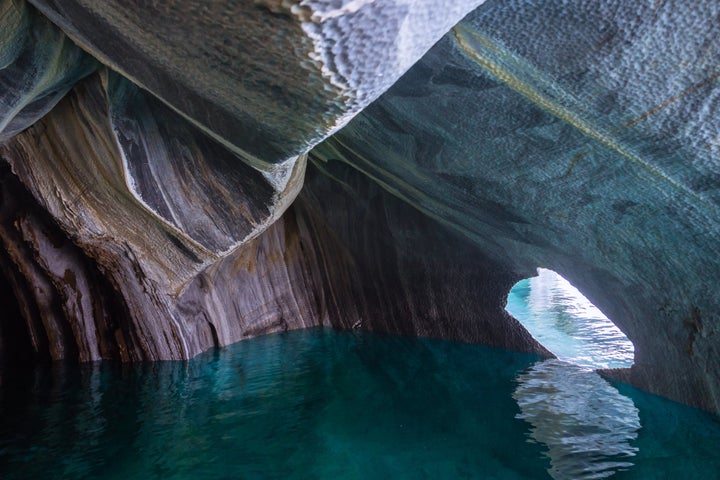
326, 405
567, 324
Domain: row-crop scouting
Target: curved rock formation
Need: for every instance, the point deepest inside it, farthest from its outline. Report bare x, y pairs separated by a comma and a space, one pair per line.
591, 150
580, 137
243, 71
169, 212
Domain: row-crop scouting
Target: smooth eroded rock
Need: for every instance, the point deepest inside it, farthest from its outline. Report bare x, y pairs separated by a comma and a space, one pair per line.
268, 78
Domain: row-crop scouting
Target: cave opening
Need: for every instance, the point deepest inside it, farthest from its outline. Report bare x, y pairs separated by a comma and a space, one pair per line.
560, 317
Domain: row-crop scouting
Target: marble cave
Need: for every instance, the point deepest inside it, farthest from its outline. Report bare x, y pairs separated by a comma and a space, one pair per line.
180, 175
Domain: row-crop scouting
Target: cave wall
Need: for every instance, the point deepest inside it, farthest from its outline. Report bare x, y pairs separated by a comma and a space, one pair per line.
39, 64
167, 242
347, 255
60, 304
327, 60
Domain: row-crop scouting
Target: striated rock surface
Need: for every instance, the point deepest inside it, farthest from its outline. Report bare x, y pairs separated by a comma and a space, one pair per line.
350, 255
186, 178
171, 216
350, 258
244, 70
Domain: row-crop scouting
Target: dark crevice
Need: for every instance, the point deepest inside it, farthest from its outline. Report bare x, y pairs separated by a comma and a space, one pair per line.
213, 331
27, 334
15, 344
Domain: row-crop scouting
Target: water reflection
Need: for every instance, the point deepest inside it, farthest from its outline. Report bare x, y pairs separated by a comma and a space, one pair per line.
587, 426
323, 404
307, 404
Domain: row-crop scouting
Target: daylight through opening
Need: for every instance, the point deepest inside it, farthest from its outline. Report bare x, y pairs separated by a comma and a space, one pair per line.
567, 323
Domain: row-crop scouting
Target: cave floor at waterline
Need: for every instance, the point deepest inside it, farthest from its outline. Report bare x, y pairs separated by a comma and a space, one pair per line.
326, 404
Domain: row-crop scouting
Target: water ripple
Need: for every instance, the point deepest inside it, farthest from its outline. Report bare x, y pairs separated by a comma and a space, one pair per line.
567, 324
587, 426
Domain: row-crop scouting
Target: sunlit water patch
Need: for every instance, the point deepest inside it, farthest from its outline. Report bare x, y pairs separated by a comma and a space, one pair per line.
325, 405
567, 324
587, 426
590, 429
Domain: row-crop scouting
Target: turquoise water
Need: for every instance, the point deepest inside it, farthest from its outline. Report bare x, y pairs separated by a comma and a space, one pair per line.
327, 405
567, 324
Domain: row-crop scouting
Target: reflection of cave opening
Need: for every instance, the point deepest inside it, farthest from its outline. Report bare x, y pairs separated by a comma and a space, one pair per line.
567, 323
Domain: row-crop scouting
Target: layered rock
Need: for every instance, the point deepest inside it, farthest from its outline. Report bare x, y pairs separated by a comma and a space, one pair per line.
56, 304
350, 258
349, 255
38, 66
168, 210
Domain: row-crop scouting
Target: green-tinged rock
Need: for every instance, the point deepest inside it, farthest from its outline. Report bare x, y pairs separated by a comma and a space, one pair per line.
38, 65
